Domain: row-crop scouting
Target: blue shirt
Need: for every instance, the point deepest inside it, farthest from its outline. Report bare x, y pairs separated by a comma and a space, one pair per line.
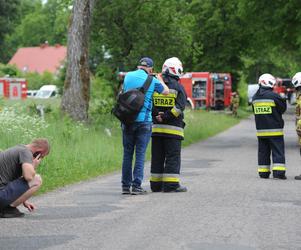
134, 80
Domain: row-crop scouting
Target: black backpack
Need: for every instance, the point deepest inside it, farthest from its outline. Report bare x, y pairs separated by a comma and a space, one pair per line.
130, 103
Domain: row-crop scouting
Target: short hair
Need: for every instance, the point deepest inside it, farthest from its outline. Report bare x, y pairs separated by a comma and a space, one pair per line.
41, 143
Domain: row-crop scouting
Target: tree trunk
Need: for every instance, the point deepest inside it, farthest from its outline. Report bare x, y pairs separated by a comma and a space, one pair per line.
76, 96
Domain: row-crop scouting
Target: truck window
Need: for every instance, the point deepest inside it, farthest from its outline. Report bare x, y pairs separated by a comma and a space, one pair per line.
219, 89
199, 89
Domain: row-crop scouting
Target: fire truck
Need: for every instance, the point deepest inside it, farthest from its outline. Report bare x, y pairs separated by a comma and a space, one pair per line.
13, 88
207, 90
284, 87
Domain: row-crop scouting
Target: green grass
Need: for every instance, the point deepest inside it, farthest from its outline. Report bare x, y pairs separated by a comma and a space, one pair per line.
79, 152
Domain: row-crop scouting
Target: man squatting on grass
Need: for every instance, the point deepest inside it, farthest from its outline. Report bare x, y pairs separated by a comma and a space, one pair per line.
18, 178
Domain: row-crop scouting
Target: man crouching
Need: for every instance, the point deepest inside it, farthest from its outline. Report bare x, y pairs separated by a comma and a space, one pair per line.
18, 178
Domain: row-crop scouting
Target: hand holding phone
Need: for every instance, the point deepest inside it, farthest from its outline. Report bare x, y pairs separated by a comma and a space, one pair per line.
37, 155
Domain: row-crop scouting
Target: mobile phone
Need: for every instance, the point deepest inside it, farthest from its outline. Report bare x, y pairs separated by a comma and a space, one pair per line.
35, 155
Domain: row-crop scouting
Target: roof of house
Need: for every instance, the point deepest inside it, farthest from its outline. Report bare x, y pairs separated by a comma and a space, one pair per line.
40, 59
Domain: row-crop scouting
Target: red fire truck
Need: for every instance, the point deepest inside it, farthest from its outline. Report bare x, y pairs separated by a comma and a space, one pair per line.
207, 90
13, 88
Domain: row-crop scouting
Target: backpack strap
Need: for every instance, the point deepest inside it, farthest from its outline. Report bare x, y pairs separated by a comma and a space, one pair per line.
146, 84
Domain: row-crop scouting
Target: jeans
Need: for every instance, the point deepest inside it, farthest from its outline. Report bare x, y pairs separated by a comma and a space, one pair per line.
135, 137
12, 191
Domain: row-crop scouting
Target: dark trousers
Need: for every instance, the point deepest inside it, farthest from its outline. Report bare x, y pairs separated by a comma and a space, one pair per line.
266, 147
165, 163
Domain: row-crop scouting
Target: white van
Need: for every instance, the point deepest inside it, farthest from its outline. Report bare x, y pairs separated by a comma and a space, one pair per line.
252, 89
47, 91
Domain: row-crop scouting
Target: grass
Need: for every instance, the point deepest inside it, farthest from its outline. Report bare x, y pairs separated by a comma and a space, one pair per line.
80, 152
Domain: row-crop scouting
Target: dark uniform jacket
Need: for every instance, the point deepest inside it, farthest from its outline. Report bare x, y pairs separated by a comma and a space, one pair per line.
173, 106
268, 108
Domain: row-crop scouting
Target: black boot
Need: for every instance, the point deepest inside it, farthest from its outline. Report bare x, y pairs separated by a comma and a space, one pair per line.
264, 175
175, 190
298, 177
279, 175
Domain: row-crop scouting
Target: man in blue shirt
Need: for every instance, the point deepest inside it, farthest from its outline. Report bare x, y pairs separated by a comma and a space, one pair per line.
135, 137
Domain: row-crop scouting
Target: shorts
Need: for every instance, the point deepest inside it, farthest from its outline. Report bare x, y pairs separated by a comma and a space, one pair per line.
12, 191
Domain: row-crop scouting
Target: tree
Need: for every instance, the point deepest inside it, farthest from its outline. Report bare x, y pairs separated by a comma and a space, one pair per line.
123, 31
8, 13
274, 37
76, 95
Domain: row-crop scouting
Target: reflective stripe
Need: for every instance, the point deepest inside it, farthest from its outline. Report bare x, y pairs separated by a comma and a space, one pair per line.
156, 179
171, 175
156, 175
170, 95
279, 168
278, 164
269, 132
171, 179
176, 112
255, 102
263, 170
265, 104
168, 129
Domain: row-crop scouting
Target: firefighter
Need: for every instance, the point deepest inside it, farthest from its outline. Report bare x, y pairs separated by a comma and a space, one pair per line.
268, 108
235, 103
168, 131
296, 81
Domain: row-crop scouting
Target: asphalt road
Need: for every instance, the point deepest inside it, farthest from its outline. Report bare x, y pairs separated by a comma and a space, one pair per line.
227, 206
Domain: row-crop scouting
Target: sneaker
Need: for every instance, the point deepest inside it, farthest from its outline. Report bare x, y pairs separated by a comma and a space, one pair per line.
126, 190
177, 190
11, 212
298, 177
138, 191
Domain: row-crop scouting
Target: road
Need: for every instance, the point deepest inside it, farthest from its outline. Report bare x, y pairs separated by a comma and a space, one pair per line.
227, 206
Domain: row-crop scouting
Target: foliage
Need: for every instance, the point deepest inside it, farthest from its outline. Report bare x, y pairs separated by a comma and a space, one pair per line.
245, 38
44, 22
15, 124
242, 90
128, 30
8, 12
8, 70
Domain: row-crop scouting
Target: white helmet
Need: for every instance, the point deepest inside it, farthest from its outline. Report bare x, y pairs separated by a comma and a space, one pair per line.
172, 66
267, 80
296, 81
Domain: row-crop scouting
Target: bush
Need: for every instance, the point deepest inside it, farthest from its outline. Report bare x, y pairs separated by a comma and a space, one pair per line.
8, 70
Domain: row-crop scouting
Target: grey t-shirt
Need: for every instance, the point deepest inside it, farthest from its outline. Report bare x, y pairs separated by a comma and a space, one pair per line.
11, 161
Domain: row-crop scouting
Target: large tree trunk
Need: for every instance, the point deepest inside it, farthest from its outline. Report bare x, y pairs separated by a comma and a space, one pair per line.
76, 96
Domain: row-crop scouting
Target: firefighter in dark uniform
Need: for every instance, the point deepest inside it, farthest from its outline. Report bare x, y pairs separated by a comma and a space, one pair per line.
268, 108
296, 81
168, 131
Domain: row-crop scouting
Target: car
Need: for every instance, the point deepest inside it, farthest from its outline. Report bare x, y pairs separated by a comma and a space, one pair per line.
47, 91
31, 93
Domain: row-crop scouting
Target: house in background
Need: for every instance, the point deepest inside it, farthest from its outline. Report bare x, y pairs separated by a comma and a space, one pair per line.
40, 59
